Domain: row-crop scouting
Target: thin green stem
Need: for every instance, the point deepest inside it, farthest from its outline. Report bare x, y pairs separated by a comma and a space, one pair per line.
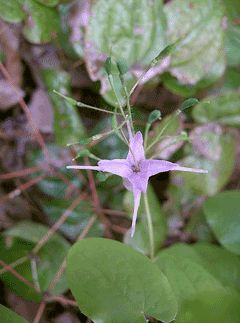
148, 125
82, 105
150, 225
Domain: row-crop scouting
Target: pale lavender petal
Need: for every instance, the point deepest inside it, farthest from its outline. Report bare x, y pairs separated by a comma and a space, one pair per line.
137, 197
118, 167
136, 149
83, 167
193, 170
159, 166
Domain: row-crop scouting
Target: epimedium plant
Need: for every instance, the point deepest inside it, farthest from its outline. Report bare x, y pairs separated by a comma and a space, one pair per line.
110, 281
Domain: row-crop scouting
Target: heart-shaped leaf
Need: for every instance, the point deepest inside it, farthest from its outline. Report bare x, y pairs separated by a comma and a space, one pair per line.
113, 283
223, 216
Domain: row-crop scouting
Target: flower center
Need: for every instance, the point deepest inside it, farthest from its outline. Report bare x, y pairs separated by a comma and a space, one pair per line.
136, 168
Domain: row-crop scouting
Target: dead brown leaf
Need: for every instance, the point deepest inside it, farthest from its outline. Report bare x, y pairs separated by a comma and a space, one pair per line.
9, 95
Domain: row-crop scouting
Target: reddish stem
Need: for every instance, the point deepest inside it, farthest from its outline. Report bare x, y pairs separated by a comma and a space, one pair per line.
21, 188
16, 274
20, 173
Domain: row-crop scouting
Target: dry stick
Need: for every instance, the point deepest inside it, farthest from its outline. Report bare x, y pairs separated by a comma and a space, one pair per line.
21, 188
20, 173
39, 313
26, 110
17, 275
62, 268
96, 202
57, 224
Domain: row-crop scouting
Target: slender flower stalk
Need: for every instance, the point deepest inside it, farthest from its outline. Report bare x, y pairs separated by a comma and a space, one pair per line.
135, 170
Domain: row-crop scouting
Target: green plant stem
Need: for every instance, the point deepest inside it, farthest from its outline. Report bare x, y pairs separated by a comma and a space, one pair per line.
150, 225
148, 125
82, 105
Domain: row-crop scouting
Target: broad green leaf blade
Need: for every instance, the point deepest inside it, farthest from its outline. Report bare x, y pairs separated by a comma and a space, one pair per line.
196, 288
222, 264
133, 31
198, 27
8, 316
68, 127
222, 214
18, 242
11, 11
140, 240
211, 306
113, 283
223, 109
211, 150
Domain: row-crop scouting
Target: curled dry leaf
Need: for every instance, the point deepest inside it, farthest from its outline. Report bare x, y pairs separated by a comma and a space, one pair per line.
41, 110
9, 95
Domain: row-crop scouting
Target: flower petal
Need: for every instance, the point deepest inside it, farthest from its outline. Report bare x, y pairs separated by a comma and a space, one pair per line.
136, 149
137, 197
118, 167
83, 167
159, 166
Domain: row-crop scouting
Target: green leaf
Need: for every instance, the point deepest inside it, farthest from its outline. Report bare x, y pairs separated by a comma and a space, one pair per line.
210, 150
140, 240
117, 284
222, 264
68, 127
76, 221
211, 306
132, 31
19, 242
222, 214
43, 24
232, 32
11, 11
199, 53
196, 288
8, 316
224, 109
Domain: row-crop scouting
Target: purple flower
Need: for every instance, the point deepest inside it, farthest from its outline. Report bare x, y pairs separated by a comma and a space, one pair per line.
136, 170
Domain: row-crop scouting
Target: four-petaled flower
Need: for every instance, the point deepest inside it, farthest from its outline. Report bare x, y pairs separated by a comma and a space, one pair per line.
136, 170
